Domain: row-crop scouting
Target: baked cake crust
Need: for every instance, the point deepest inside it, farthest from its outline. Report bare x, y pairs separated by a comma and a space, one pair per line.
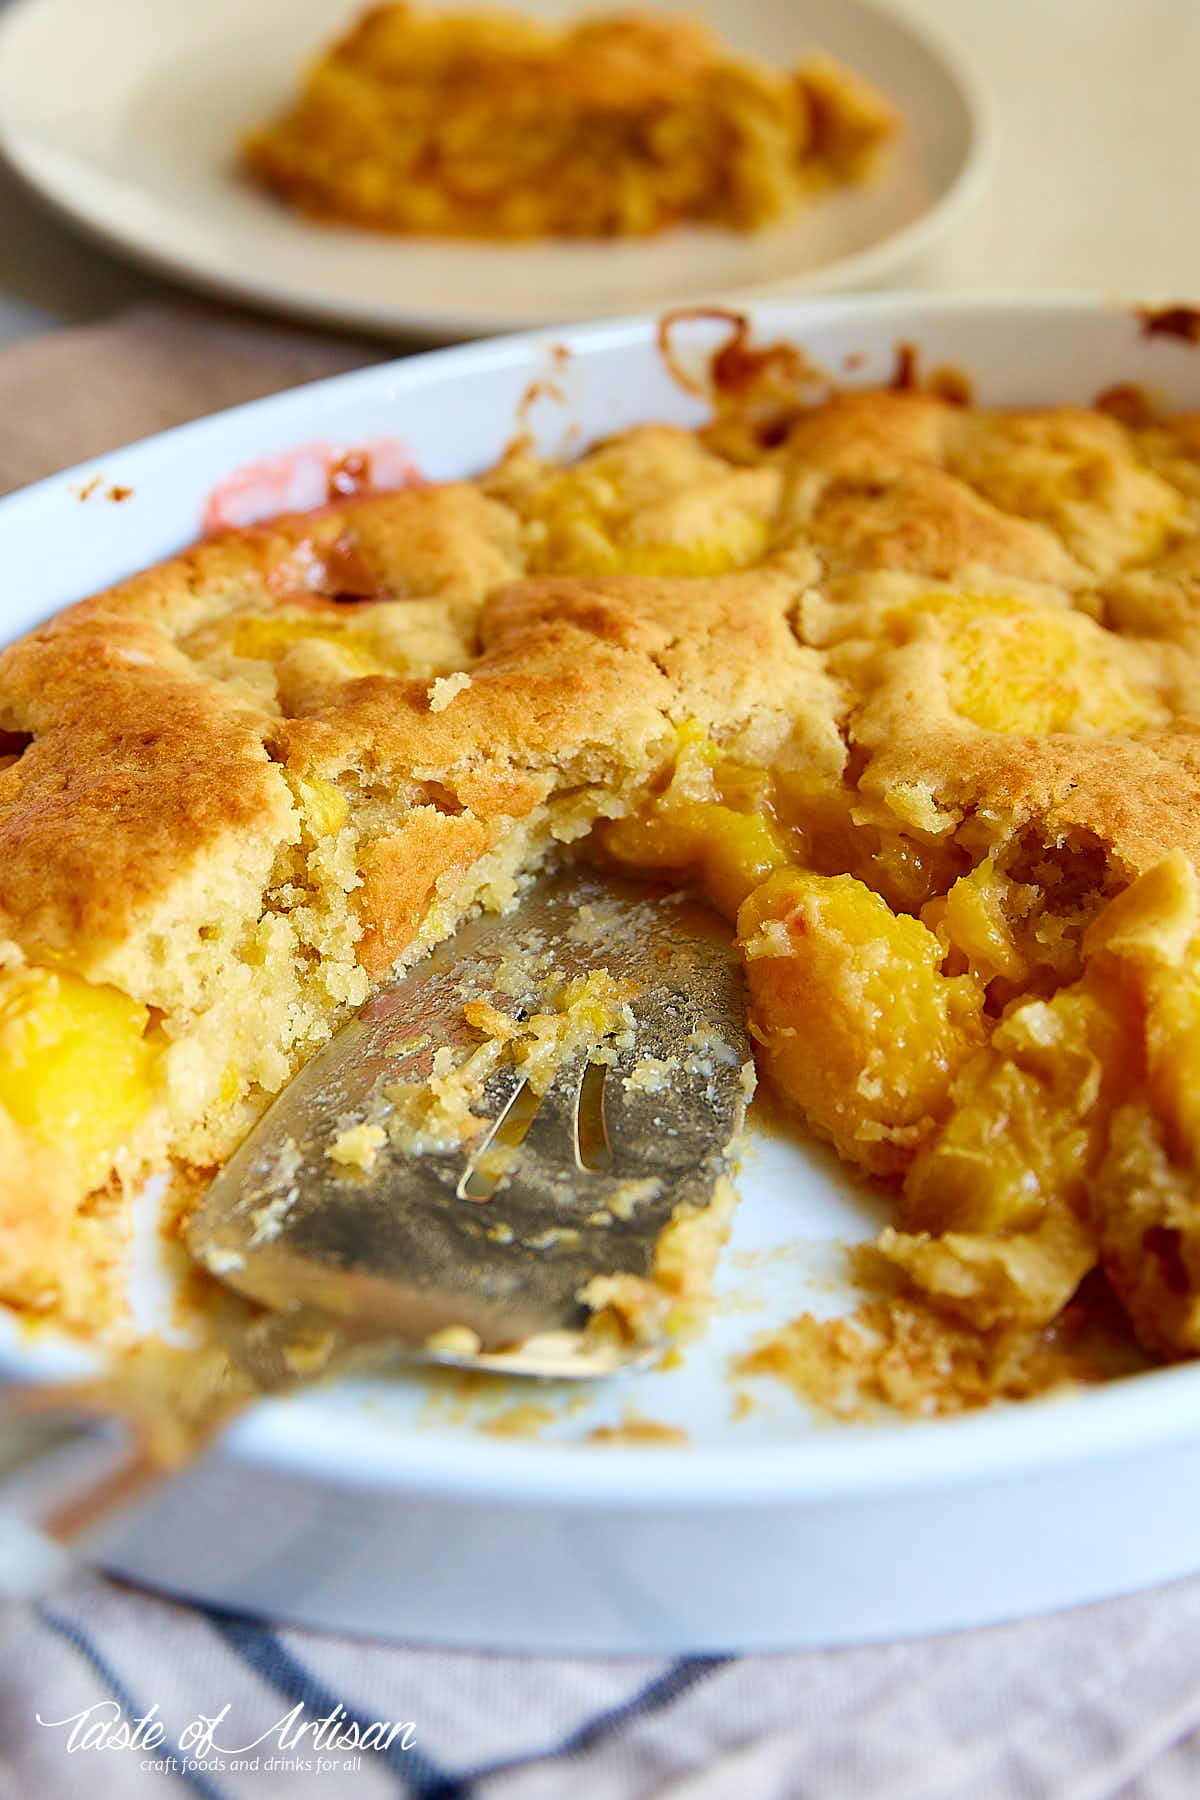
909, 686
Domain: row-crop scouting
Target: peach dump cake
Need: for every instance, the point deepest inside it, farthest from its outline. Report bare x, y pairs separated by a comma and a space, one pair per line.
908, 688
486, 124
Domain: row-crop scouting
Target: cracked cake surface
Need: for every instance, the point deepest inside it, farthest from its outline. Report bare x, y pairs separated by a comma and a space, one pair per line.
911, 689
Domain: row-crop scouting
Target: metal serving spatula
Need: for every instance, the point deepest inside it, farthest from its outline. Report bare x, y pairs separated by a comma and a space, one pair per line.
498, 1236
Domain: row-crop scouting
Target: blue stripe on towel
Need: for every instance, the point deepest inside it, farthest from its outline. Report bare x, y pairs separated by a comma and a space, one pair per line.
661, 1691
670, 1685
422, 1779
101, 1667
259, 1646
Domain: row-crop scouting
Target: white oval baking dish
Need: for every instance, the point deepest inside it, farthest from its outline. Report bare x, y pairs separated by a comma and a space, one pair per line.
386, 1507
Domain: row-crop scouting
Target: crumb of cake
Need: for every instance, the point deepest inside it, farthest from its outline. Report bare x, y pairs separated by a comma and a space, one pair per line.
674, 1300
357, 1146
902, 1355
624, 1201
222, 1262
552, 1237
686, 1253
445, 687
581, 1014
487, 124
699, 1055
267, 1221
491, 1022
652, 1074
455, 1340
634, 1430
525, 1420
898, 1352
308, 1352
629, 1307
436, 1114
455, 1396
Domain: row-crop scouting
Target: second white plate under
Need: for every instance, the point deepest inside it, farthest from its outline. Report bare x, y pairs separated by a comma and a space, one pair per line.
126, 117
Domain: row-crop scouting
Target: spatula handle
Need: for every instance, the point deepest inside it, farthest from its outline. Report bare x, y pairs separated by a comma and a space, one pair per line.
61, 1480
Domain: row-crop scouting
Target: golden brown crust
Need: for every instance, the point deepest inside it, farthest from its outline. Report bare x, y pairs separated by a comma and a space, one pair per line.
585, 679
1139, 800
137, 771
155, 753
931, 523
949, 653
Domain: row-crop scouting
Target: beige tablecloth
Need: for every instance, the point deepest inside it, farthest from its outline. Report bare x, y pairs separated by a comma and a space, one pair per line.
1089, 1705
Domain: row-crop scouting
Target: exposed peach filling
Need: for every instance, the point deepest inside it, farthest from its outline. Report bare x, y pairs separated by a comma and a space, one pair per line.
76, 1065
1010, 1068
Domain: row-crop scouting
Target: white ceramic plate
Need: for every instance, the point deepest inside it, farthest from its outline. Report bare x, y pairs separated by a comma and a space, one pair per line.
386, 1507
126, 116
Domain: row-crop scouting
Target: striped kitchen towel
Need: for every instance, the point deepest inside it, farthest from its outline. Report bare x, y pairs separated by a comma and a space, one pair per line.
108, 1692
